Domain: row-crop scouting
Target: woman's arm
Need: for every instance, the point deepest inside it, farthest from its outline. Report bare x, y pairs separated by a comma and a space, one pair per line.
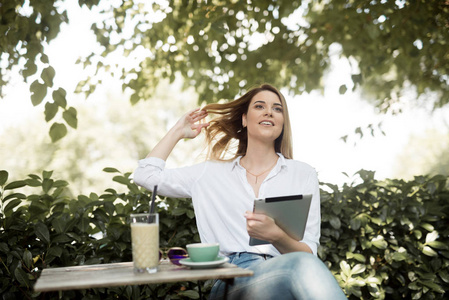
186, 127
262, 227
150, 170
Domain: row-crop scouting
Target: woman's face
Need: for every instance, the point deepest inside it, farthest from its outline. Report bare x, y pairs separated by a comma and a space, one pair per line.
265, 117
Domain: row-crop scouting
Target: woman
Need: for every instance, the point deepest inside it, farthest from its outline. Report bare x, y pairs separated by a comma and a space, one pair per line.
223, 189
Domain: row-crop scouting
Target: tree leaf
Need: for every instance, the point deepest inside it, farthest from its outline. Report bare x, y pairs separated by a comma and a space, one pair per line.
46, 174
345, 268
83, 225
59, 96
359, 268
14, 196
355, 223
44, 59
3, 177
431, 236
434, 287
178, 211
190, 214
358, 282
359, 131
50, 111
58, 225
15, 185
429, 251
379, 242
121, 179
134, 98
47, 185
30, 68
37, 207
69, 116
357, 256
400, 256
427, 226
42, 232
55, 251
4, 248
11, 204
438, 245
38, 92
27, 258
57, 131
60, 183
47, 76
111, 170
33, 182
444, 275
335, 222
21, 277
373, 280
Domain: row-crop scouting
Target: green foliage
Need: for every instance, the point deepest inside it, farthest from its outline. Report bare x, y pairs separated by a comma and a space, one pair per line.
222, 47
24, 30
46, 228
389, 239
396, 45
381, 239
26, 27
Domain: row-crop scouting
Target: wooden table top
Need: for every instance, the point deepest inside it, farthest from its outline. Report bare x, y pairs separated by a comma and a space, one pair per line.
117, 274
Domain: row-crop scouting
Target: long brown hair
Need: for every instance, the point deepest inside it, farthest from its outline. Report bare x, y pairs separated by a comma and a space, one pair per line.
226, 130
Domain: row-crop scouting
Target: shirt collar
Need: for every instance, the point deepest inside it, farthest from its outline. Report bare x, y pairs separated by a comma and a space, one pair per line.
281, 163
236, 162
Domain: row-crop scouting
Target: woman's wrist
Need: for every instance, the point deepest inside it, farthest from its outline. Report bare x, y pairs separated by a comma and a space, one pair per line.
176, 133
285, 244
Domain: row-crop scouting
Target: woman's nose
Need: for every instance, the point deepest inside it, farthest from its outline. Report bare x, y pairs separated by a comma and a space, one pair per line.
268, 112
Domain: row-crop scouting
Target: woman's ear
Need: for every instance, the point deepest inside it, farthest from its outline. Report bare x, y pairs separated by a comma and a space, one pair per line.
244, 120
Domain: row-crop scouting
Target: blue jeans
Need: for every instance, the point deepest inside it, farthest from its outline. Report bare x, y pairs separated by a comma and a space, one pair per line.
296, 275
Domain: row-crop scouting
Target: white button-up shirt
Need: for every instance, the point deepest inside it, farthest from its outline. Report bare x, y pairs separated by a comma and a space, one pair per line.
221, 195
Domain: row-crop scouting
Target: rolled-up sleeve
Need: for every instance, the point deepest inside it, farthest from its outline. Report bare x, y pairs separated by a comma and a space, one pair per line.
313, 226
148, 172
176, 182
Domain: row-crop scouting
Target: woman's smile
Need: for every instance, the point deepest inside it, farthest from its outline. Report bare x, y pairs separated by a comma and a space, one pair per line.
265, 117
267, 123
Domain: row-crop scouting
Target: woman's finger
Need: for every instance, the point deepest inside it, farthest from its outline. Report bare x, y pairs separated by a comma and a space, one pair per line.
255, 216
197, 115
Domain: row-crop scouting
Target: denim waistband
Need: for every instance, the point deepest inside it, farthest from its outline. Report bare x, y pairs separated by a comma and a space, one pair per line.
239, 254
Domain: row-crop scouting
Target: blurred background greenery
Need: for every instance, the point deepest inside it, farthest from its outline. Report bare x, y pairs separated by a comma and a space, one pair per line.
58, 53
366, 81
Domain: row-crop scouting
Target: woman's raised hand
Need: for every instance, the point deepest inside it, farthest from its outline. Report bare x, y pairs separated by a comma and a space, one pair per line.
189, 126
191, 123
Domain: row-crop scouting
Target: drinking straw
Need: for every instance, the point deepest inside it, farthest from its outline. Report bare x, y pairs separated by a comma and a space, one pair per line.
153, 197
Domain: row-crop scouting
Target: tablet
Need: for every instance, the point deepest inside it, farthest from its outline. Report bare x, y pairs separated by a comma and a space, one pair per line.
289, 212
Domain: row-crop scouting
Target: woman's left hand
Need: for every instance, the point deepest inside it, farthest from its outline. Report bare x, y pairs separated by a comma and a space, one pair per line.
262, 227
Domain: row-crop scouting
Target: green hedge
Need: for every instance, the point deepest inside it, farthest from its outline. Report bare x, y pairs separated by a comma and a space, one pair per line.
381, 239
388, 239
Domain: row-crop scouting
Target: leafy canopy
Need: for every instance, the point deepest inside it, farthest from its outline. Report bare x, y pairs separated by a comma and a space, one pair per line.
222, 47
26, 27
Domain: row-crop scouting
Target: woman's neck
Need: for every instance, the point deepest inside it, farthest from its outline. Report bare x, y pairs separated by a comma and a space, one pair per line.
259, 157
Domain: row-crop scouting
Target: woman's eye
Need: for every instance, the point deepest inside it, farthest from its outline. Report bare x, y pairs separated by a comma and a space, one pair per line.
258, 106
278, 109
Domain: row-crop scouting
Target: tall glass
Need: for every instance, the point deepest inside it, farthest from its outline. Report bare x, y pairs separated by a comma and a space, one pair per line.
145, 242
